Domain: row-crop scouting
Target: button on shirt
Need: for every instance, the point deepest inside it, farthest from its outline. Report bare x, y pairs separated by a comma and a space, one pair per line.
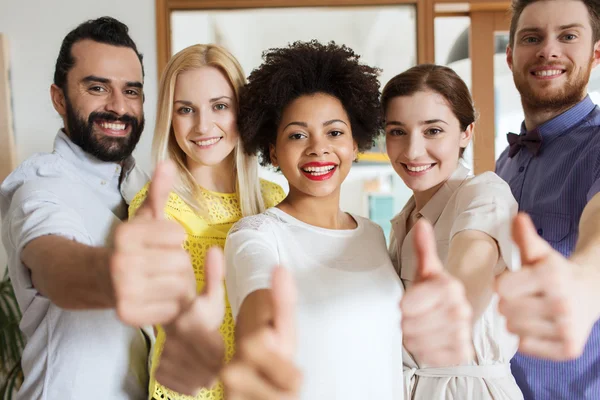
72, 354
554, 187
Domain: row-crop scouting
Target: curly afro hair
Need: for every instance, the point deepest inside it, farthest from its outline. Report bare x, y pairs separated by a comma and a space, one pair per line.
305, 68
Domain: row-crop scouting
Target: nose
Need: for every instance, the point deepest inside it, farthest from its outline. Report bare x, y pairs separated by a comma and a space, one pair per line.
317, 146
204, 122
415, 147
117, 103
549, 49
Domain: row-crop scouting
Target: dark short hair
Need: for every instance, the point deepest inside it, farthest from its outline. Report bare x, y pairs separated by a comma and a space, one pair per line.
305, 68
518, 6
438, 79
105, 30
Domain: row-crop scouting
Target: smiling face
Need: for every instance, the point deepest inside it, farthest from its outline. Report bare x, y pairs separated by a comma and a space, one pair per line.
553, 54
102, 103
205, 117
314, 147
424, 139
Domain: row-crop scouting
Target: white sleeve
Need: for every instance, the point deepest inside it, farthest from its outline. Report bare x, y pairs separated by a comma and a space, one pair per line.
489, 207
250, 256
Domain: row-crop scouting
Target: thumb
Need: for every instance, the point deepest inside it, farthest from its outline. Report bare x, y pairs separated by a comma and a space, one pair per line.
158, 191
214, 273
530, 244
284, 297
428, 262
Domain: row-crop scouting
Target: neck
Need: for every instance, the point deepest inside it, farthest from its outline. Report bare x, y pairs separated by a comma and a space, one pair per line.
216, 178
422, 198
323, 212
535, 116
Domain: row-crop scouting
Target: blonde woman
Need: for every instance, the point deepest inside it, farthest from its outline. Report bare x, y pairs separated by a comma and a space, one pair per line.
217, 183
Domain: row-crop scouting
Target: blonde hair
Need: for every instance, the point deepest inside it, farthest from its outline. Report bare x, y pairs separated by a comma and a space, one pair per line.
165, 147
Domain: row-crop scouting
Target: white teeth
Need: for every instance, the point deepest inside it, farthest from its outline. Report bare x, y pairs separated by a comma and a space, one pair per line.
207, 142
418, 169
549, 72
114, 127
318, 170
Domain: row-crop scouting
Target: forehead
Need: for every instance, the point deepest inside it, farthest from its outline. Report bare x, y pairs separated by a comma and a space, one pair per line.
318, 107
203, 82
119, 64
420, 106
552, 14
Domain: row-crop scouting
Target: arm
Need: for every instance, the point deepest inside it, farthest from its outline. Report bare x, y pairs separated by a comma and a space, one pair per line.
72, 275
587, 251
471, 259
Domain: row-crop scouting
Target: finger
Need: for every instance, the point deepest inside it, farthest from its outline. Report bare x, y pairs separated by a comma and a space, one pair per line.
435, 322
284, 297
556, 350
260, 351
142, 234
177, 375
532, 247
428, 262
453, 335
526, 308
537, 327
214, 274
243, 382
428, 296
158, 191
518, 285
148, 314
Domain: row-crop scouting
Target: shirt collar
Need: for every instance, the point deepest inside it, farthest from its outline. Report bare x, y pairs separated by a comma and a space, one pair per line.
434, 207
563, 123
104, 170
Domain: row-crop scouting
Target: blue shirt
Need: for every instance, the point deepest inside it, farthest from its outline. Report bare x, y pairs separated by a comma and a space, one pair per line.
553, 188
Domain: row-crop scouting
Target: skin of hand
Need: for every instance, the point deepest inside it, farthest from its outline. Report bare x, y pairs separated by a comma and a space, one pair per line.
194, 350
263, 367
551, 303
436, 315
152, 275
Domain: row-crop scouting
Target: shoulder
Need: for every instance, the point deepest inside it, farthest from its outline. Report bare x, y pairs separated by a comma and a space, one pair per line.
485, 185
41, 173
272, 193
263, 222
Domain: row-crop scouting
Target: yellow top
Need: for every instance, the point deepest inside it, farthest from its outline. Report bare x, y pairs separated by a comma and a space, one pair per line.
224, 211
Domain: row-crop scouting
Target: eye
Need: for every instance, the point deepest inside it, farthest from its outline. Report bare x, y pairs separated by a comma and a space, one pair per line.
185, 110
97, 89
131, 92
336, 133
570, 36
530, 39
220, 107
433, 131
395, 132
297, 136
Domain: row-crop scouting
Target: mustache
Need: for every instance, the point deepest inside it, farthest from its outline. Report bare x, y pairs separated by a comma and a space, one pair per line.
125, 118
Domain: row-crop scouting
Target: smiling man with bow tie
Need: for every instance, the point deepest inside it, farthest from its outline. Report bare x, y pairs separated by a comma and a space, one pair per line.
553, 169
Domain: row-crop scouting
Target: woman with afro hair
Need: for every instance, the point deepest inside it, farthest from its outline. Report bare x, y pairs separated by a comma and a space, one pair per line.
308, 110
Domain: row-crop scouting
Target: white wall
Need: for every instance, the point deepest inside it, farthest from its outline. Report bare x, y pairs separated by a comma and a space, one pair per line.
35, 29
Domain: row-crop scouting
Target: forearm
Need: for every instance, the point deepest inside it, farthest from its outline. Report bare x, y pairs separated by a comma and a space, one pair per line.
72, 275
472, 258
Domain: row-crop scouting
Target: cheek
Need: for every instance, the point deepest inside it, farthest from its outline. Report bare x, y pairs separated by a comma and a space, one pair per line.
393, 148
181, 127
445, 151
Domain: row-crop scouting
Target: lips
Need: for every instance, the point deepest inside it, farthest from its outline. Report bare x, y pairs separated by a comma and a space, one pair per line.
417, 169
207, 142
319, 171
113, 128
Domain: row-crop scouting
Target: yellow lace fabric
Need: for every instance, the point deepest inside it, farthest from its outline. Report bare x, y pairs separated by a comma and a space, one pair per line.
224, 211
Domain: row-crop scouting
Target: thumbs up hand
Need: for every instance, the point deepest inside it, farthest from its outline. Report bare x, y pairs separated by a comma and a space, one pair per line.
263, 367
194, 350
152, 275
545, 302
436, 316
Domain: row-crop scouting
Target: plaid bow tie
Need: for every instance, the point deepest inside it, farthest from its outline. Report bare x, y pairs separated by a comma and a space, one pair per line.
532, 140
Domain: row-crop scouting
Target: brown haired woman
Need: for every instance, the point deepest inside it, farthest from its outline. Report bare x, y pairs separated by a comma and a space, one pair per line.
429, 120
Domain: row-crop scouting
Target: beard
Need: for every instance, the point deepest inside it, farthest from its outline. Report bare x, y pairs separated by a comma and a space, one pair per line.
545, 98
105, 148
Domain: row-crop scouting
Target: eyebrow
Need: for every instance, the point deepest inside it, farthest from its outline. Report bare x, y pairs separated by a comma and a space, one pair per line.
305, 125
426, 122
219, 98
561, 28
184, 102
93, 78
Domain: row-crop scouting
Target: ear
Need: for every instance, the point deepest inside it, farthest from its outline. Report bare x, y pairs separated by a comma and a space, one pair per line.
58, 100
355, 149
509, 57
467, 135
273, 156
596, 54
